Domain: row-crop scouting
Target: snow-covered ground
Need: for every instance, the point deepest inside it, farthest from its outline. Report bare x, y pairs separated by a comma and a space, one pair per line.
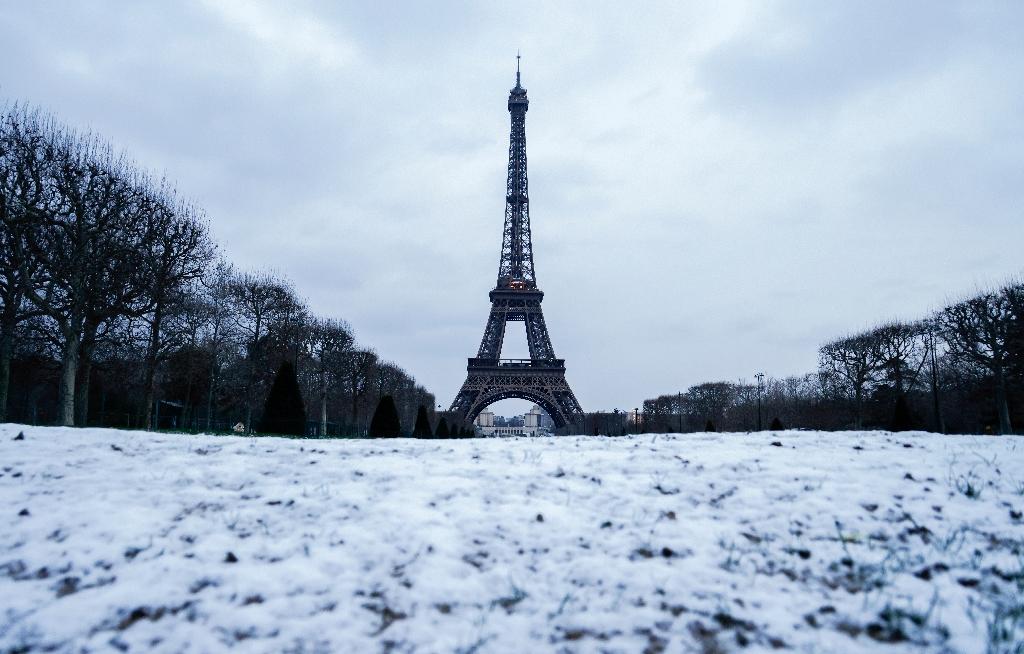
823, 542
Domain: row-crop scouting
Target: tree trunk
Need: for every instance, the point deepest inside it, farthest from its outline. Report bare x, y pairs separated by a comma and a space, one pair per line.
189, 414
147, 400
6, 354
209, 396
355, 411
252, 373
250, 384
936, 407
82, 387
68, 372
186, 412
323, 413
85, 354
1002, 408
149, 376
858, 420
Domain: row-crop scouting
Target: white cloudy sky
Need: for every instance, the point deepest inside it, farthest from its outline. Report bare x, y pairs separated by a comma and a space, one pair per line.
716, 187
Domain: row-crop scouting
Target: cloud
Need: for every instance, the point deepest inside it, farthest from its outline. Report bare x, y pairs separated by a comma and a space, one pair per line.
715, 189
285, 30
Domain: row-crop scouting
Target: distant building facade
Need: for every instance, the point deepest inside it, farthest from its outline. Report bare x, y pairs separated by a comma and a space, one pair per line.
485, 419
534, 423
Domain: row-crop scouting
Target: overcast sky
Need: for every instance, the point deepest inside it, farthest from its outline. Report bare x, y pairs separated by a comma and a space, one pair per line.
716, 188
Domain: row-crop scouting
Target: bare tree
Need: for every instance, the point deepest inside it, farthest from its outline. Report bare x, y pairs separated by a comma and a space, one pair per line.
291, 329
791, 399
116, 290
259, 302
711, 400
393, 380
658, 413
81, 240
978, 330
21, 199
98, 262
177, 250
359, 368
930, 333
217, 298
1015, 338
901, 353
329, 342
189, 318
849, 365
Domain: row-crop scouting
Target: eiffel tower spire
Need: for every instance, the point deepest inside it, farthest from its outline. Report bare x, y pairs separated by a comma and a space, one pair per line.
541, 378
516, 267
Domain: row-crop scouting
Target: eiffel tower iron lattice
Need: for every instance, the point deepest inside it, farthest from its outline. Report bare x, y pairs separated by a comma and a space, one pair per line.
541, 378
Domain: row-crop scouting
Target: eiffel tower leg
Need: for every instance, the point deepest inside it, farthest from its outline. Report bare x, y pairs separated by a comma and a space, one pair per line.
537, 336
466, 398
494, 335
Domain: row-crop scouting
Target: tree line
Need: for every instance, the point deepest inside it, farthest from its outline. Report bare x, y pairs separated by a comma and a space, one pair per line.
386, 423
959, 370
117, 308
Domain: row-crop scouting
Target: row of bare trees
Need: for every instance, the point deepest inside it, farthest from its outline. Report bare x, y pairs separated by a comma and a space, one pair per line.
733, 406
966, 361
961, 370
114, 299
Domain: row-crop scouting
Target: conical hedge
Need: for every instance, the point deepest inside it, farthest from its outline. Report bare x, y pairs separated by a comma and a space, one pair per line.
422, 428
442, 429
385, 423
284, 412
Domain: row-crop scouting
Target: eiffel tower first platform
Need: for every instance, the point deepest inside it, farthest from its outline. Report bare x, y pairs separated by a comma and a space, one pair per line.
541, 378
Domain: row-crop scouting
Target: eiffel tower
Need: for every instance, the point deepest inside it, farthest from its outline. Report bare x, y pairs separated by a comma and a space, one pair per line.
541, 378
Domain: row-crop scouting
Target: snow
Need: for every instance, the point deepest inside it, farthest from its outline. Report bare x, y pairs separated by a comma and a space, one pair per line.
820, 542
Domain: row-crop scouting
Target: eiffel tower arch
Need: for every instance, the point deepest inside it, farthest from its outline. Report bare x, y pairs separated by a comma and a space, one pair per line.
516, 297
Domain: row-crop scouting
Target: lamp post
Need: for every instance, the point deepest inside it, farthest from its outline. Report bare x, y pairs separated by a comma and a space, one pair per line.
940, 425
636, 419
760, 382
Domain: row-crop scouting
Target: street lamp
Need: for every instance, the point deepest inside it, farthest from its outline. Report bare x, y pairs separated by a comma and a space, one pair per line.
760, 383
